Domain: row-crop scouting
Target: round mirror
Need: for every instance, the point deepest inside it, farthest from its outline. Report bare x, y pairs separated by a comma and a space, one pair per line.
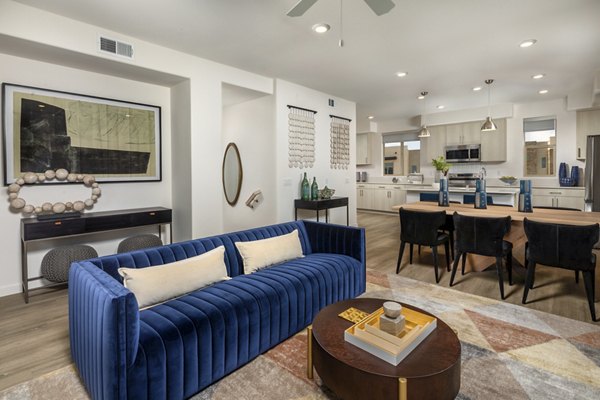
232, 174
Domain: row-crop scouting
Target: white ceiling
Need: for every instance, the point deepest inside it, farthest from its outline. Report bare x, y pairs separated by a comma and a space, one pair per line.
447, 47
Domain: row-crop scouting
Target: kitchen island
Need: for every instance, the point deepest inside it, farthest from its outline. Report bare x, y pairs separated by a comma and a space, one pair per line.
501, 195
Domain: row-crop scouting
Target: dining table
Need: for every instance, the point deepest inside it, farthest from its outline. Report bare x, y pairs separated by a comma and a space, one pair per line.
516, 235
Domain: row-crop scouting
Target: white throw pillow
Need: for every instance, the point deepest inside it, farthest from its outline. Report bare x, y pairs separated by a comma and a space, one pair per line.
153, 285
258, 254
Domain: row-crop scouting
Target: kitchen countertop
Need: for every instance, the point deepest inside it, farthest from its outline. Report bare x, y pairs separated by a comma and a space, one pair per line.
496, 188
489, 190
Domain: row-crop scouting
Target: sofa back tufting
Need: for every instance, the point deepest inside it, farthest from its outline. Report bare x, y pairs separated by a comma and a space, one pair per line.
182, 250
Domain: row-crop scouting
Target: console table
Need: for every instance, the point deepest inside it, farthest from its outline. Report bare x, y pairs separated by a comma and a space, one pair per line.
323, 204
33, 229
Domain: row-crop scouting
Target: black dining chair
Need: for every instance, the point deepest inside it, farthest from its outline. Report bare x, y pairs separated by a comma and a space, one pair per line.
448, 226
423, 228
562, 246
483, 236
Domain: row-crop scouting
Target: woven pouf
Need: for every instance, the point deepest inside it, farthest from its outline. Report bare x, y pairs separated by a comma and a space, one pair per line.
56, 263
139, 242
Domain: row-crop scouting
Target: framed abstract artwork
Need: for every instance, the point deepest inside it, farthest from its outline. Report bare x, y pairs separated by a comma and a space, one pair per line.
116, 141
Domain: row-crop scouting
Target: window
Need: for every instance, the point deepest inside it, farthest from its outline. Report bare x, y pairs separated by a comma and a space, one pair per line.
401, 153
540, 146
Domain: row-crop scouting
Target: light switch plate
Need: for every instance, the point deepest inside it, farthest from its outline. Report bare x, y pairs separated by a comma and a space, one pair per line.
287, 181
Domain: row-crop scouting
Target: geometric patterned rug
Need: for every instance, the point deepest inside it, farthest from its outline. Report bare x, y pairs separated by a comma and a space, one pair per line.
508, 352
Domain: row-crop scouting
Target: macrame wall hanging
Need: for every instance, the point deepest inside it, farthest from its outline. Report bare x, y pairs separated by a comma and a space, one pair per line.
339, 142
301, 139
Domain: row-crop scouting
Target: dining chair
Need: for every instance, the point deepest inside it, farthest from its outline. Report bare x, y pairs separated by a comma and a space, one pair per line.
423, 228
483, 236
562, 246
448, 226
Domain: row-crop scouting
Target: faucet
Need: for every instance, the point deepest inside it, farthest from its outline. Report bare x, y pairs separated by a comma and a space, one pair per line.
483, 173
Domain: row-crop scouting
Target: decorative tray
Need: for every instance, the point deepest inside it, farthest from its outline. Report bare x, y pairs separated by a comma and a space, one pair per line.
393, 349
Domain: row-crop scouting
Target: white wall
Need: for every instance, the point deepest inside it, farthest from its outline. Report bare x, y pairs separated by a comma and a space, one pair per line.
189, 89
251, 126
114, 196
288, 179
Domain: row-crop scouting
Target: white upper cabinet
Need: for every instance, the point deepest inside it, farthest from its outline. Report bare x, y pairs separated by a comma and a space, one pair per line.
363, 149
464, 133
433, 146
588, 123
493, 143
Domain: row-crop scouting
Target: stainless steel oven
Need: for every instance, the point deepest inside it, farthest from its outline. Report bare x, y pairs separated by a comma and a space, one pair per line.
463, 153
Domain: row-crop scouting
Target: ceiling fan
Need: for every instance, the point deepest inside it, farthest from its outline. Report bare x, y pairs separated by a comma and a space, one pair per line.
379, 7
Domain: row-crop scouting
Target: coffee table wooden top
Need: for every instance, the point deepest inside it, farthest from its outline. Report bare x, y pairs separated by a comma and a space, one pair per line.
438, 352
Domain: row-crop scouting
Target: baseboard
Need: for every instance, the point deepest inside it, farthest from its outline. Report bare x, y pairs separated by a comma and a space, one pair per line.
7, 290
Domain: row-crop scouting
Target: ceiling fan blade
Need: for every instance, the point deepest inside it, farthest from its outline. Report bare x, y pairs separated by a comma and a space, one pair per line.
380, 7
300, 8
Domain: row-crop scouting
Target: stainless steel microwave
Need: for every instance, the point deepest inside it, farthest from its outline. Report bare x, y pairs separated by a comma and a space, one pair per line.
463, 153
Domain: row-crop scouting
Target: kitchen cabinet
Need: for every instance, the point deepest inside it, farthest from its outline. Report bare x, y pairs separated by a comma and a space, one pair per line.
433, 146
588, 123
567, 197
364, 197
493, 143
464, 133
363, 149
380, 197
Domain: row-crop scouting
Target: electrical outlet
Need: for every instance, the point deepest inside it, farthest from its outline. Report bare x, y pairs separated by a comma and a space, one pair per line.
287, 181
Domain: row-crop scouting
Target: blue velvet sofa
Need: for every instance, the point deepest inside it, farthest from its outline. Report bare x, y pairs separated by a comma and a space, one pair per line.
175, 349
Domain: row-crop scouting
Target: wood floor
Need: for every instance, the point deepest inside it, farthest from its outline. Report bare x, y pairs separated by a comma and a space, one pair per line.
34, 337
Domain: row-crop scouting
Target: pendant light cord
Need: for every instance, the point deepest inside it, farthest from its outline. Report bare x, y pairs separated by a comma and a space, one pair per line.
341, 42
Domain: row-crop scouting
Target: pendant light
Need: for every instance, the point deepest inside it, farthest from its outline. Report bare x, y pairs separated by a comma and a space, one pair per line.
489, 125
424, 132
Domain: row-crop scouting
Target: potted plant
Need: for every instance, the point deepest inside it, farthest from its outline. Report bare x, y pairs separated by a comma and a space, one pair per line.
441, 168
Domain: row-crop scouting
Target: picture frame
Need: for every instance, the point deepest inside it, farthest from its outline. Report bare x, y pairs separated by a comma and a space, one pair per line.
114, 140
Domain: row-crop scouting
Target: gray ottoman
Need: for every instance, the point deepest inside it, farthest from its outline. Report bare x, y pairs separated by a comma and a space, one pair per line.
139, 242
56, 263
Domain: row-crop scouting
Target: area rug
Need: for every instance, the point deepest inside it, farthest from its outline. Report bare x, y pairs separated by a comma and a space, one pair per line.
508, 352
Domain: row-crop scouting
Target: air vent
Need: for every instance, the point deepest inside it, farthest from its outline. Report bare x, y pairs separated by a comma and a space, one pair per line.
115, 47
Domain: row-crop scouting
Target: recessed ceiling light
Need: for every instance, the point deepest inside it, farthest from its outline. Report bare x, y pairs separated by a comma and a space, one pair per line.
421, 97
538, 76
401, 74
321, 28
440, 107
370, 117
543, 91
527, 43
477, 88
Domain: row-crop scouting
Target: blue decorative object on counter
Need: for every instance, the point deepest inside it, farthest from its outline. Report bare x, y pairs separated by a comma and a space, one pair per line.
525, 186
563, 178
525, 204
443, 197
575, 175
480, 199
480, 185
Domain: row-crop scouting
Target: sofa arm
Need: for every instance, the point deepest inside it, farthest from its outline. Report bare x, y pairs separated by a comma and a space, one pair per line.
337, 239
103, 330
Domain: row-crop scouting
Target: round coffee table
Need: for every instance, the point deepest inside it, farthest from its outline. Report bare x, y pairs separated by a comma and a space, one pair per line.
430, 371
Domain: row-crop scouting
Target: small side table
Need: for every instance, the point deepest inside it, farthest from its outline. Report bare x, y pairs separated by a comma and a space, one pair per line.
324, 204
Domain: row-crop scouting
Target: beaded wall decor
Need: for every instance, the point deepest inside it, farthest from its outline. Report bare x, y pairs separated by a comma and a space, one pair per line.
301, 139
339, 143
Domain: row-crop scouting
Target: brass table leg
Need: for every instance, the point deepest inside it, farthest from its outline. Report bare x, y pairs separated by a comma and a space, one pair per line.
309, 366
402, 388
